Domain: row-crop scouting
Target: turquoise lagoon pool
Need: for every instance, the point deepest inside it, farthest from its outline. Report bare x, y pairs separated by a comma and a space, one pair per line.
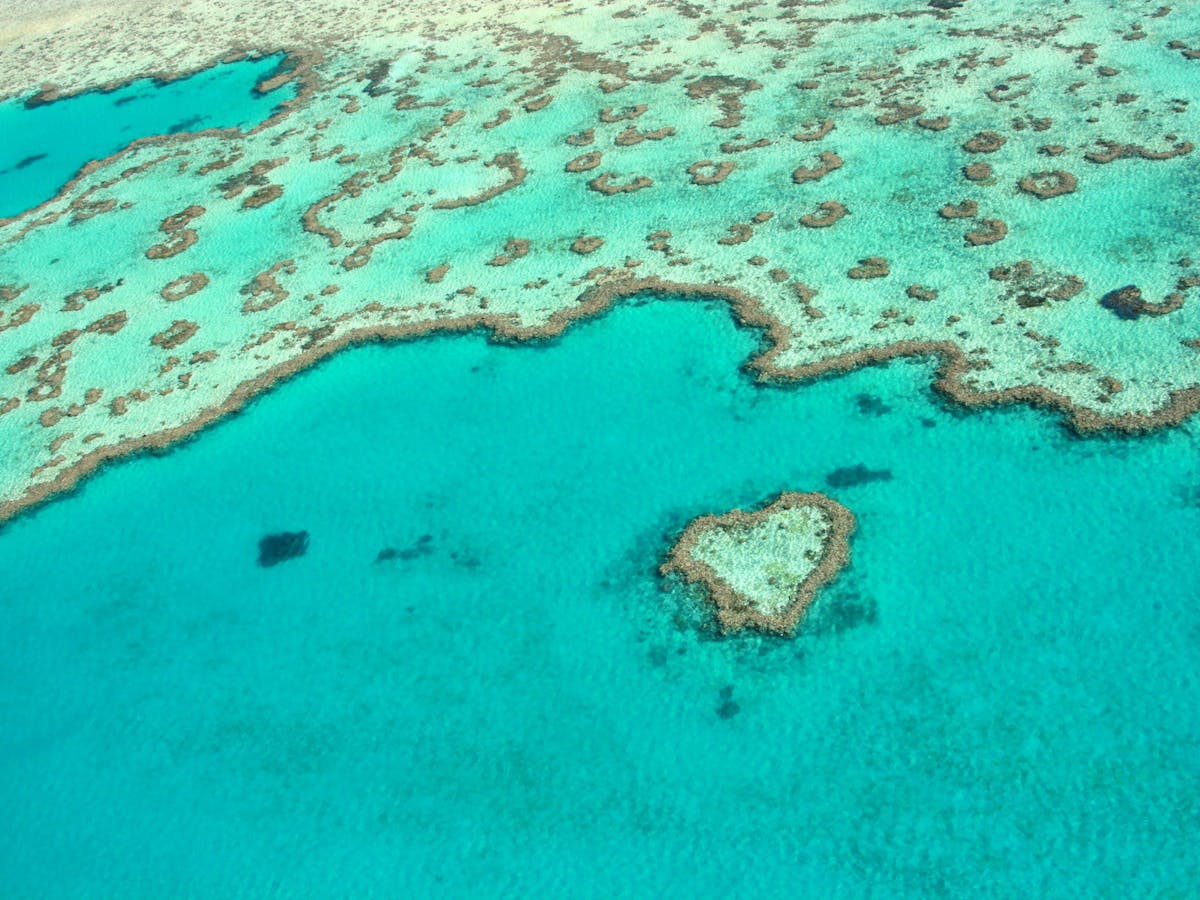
44, 147
997, 698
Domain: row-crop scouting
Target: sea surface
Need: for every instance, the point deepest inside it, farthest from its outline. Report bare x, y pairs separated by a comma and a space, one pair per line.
1000, 696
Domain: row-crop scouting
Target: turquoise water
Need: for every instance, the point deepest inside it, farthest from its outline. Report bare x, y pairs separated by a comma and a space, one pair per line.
997, 698
45, 147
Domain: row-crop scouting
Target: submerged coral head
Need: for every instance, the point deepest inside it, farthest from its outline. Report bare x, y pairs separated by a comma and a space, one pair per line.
276, 548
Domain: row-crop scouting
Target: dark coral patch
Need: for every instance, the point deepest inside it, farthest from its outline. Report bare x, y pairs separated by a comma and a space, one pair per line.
852, 476
276, 548
977, 172
899, 112
827, 214
985, 142
870, 267
968, 209
990, 231
828, 162
1127, 303
844, 612
584, 163
423, 546
728, 708
603, 184
708, 172
814, 130
1045, 185
184, 286
871, 405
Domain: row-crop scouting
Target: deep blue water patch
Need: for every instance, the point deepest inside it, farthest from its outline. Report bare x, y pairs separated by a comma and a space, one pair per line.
998, 697
45, 146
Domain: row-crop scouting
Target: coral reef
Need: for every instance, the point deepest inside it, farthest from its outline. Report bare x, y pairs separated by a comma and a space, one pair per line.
763, 569
419, 174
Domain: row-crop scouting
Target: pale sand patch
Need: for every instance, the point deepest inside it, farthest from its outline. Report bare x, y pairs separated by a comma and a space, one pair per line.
75, 45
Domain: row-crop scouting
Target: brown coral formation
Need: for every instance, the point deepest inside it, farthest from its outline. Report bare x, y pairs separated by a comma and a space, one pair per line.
265, 283
1029, 287
978, 172
729, 91
21, 365
255, 176
311, 221
76, 300
815, 130
1127, 303
985, 142
18, 316
738, 234
109, 324
514, 249
509, 162
990, 231
899, 112
828, 213
708, 172
631, 136
735, 147
870, 267
603, 184
180, 332
828, 162
49, 376
361, 255
586, 244
609, 115
584, 162
1045, 185
500, 118
263, 196
179, 235
184, 286
967, 209
735, 612
1006, 92
1112, 150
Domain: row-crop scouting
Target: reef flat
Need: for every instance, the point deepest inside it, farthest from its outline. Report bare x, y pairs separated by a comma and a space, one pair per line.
763, 569
1008, 187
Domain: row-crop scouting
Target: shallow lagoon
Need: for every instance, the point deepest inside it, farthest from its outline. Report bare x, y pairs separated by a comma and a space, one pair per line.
997, 697
44, 147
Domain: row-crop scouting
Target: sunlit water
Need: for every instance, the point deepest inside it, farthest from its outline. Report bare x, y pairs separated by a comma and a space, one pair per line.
997, 697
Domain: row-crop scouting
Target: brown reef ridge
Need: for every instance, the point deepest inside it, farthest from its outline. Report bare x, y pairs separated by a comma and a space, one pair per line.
747, 311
